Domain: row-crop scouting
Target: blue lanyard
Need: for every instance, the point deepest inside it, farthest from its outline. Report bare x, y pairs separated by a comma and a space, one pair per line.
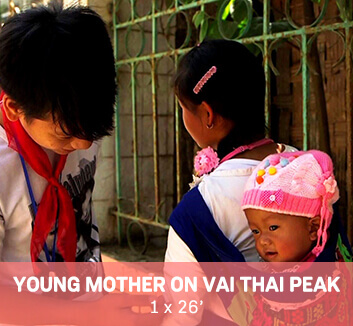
35, 209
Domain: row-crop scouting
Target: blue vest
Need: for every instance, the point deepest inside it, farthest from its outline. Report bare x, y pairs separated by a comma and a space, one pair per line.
195, 225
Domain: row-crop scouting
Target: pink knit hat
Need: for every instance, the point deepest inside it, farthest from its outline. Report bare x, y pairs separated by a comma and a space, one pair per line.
295, 183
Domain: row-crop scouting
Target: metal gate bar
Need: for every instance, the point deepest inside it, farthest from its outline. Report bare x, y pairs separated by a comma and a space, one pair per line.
303, 35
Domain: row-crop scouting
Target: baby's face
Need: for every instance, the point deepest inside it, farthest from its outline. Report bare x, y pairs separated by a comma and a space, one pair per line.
280, 237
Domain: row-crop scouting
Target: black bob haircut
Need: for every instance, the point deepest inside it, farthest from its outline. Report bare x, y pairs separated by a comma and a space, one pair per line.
236, 91
60, 62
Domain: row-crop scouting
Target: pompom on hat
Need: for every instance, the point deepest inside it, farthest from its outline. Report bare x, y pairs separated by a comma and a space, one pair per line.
296, 183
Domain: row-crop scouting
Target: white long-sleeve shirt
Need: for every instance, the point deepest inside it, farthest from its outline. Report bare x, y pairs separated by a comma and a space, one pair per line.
222, 191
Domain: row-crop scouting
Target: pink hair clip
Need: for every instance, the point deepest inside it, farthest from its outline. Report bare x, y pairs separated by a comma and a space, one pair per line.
204, 79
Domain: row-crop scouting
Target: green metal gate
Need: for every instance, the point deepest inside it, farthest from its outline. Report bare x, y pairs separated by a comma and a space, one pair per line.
145, 25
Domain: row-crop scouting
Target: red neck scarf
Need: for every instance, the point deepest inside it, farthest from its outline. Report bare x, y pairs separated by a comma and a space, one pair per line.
55, 202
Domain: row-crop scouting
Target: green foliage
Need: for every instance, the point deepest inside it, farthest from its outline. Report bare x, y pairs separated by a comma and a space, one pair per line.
235, 17
169, 3
255, 50
238, 19
198, 18
201, 19
213, 31
239, 12
234, 20
227, 10
204, 29
346, 8
4, 7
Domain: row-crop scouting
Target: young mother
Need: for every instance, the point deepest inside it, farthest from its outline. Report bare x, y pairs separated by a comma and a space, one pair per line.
221, 88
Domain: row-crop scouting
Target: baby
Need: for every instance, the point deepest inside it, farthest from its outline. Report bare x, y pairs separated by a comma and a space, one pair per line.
288, 203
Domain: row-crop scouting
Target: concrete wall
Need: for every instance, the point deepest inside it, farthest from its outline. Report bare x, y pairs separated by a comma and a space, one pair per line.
129, 45
104, 195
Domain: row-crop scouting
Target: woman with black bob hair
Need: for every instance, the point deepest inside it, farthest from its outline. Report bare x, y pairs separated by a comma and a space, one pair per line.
221, 88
